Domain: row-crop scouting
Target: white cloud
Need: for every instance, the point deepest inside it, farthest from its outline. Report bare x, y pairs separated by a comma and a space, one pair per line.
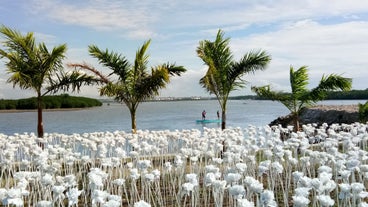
328, 36
326, 49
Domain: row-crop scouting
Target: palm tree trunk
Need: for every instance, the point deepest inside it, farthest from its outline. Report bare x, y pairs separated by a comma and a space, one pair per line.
296, 122
134, 123
223, 126
39, 116
223, 119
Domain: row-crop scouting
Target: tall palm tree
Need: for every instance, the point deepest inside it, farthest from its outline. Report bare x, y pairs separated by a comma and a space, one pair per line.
134, 83
224, 74
33, 66
300, 96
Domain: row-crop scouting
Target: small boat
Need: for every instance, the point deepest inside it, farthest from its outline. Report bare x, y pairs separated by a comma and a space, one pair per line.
208, 121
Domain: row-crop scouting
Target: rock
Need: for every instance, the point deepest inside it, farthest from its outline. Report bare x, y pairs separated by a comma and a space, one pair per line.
323, 114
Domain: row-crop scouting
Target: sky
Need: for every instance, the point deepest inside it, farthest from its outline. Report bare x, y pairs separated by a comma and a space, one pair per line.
328, 36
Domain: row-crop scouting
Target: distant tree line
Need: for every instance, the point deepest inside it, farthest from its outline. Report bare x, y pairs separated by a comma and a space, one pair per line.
50, 102
330, 95
353, 94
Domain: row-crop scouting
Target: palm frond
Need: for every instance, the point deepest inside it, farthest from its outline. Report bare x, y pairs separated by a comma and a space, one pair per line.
110, 90
141, 60
250, 63
330, 83
174, 69
117, 63
85, 66
72, 80
51, 62
265, 92
299, 81
211, 82
217, 56
149, 86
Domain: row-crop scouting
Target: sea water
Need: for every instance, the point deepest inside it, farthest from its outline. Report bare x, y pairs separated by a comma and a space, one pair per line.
169, 115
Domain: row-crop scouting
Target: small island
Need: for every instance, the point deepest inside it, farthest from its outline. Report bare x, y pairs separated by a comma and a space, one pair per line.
63, 101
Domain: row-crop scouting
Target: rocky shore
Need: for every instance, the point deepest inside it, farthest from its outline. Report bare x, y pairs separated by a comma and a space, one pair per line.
323, 114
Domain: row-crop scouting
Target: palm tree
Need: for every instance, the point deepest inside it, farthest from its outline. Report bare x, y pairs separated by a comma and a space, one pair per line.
224, 74
33, 66
300, 96
134, 83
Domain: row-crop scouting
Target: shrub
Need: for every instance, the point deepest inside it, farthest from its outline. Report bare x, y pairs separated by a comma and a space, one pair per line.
363, 112
30, 103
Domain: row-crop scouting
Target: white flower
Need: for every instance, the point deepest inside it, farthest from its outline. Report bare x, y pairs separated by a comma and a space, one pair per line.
329, 186
325, 168
44, 203
149, 177
192, 178
263, 167
99, 197
209, 178
70, 180
363, 204
95, 181
352, 164
219, 184
345, 174
168, 166
262, 170
317, 185
112, 203
96, 178
114, 197
302, 191
72, 196
325, 200
363, 194
232, 177
178, 161
212, 169
3, 193
144, 164
14, 193
58, 192
14, 201
237, 191
244, 203
253, 184
156, 173
297, 175
194, 159
217, 161
119, 182
344, 191
142, 204
356, 188
242, 167
134, 154
47, 179
277, 167
300, 201
268, 199
187, 188
134, 174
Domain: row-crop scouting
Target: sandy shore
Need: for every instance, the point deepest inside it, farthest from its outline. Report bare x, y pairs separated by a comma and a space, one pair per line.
347, 108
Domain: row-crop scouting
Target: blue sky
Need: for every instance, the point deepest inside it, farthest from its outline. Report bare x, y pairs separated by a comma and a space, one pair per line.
328, 36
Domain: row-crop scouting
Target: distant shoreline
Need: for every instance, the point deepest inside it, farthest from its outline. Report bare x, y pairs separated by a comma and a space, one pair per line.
43, 110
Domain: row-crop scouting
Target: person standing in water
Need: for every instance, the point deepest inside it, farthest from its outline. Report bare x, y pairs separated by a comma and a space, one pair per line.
203, 115
218, 114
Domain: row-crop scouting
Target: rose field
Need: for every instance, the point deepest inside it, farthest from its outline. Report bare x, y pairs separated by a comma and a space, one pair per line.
253, 166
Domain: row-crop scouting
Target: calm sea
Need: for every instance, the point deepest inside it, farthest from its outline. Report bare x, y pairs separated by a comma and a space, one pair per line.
174, 115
